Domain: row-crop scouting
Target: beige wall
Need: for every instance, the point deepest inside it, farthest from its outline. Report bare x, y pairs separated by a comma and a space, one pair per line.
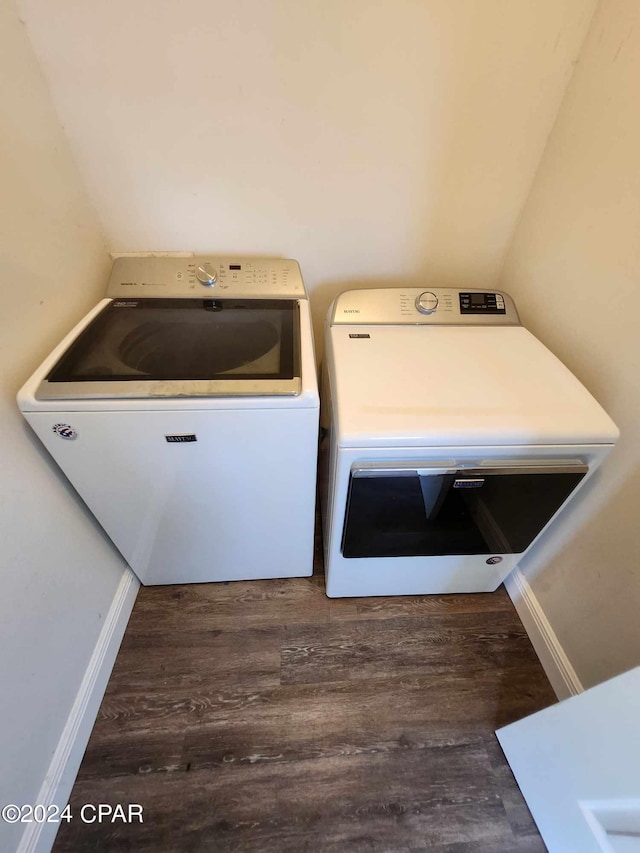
59, 574
574, 269
393, 141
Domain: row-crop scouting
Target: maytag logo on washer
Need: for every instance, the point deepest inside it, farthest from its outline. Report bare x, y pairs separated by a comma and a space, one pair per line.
65, 431
493, 560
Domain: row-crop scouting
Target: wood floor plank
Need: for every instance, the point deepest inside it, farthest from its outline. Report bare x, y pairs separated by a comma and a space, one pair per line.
132, 753
266, 717
186, 659
239, 744
516, 845
354, 650
437, 700
432, 605
192, 608
342, 803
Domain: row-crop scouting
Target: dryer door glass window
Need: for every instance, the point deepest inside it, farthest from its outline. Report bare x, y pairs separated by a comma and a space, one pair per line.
398, 513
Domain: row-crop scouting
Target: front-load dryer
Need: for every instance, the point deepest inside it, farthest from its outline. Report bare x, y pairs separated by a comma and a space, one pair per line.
452, 438
184, 410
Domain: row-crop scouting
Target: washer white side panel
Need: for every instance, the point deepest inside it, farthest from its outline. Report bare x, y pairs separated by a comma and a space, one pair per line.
237, 504
424, 575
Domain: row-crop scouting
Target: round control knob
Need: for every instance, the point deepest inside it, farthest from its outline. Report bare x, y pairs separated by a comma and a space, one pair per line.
206, 275
427, 302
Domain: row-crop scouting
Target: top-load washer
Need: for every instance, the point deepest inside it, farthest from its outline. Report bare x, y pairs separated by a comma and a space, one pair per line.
184, 410
453, 438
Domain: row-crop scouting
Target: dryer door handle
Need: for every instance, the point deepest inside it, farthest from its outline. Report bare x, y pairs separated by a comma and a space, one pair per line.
435, 472
400, 469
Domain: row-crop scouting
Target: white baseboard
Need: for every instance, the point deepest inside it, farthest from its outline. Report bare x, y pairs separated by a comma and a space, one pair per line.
555, 662
59, 779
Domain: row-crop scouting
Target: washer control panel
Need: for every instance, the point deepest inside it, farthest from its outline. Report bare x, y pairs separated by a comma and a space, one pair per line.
437, 306
183, 276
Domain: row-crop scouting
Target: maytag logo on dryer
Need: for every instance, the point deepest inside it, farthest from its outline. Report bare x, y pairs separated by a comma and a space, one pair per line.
65, 431
183, 438
469, 483
350, 310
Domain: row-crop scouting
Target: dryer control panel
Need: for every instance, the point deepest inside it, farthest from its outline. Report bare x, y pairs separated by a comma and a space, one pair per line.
182, 276
435, 306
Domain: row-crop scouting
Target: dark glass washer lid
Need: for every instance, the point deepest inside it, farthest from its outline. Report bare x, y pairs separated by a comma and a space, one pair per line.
138, 347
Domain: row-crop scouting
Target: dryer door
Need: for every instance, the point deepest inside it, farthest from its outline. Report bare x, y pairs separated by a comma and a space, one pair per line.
398, 511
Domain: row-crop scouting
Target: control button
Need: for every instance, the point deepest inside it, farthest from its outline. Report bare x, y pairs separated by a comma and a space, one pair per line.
427, 302
206, 275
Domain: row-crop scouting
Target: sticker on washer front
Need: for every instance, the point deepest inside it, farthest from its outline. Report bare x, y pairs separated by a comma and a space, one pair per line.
65, 431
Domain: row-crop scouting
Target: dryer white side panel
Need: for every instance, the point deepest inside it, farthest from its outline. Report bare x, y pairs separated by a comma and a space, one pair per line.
235, 504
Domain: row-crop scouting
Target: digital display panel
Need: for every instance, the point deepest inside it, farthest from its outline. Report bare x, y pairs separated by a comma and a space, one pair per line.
481, 303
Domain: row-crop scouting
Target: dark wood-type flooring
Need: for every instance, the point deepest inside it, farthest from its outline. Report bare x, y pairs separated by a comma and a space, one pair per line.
266, 717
